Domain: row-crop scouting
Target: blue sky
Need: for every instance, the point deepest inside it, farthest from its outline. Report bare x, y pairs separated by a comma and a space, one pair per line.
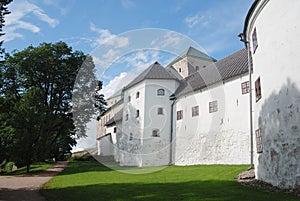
106, 29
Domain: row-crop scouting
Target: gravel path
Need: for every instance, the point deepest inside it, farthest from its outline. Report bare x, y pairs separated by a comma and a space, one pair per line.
26, 187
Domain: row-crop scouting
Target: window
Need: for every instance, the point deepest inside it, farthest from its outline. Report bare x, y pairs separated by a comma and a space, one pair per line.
137, 94
179, 70
137, 113
259, 146
195, 111
213, 106
257, 89
160, 110
160, 92
197, 68
129, 98
115, 129
130, 136
254, 40
155, 133
245, 87
126, 117
179, 114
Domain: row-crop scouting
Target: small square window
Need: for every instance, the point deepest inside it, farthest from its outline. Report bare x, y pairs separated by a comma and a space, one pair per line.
245, 87
160, 110
254, 40
259, 145
213, 106
155, 133
258, 89
179, 114
195, 111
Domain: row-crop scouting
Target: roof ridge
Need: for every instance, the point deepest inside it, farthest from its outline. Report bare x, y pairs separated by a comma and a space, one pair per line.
154, 71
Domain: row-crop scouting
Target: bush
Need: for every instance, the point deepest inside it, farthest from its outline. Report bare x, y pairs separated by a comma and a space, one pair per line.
8, 167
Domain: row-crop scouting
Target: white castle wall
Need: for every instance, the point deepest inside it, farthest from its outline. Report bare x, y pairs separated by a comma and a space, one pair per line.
221, 137
276, 61
144, 149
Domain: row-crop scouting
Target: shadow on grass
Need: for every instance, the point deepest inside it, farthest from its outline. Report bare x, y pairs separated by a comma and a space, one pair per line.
195, 190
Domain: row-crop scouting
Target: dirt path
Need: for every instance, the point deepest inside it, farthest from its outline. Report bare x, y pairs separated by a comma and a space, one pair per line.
26, 187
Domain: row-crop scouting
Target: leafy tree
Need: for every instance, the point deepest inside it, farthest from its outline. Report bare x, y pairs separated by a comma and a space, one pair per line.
100, 101
3, 11
41, 90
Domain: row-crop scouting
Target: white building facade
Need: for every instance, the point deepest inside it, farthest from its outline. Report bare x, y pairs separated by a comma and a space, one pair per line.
273, 31
193, 113
212, 115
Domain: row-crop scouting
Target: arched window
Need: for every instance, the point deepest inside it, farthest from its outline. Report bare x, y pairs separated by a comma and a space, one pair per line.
155, 133
160, 92
137, 94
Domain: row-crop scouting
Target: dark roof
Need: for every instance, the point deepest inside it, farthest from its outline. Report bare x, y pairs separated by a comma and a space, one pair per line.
194, 53
117, 117
155, 71
231, 66
113, 106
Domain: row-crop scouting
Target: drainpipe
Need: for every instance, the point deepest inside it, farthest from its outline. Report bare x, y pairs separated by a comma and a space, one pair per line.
242, 38
172, 98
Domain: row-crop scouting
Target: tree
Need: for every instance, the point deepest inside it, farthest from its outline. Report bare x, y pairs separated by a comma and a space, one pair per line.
3, 11
37, 85
100, 101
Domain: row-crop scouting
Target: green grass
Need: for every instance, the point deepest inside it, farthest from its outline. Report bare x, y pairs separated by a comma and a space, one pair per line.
91, 181
35, 167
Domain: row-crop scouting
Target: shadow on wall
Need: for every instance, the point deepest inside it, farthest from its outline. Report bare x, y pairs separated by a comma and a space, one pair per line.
279, 120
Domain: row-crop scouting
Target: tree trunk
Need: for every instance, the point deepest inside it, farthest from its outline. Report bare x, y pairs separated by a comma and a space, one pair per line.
28, 168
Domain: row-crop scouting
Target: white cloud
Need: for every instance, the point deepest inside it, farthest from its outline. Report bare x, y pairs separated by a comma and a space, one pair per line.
115, 84
15, 20
107, 38
58, 5
191, 21
171, 39
127, 3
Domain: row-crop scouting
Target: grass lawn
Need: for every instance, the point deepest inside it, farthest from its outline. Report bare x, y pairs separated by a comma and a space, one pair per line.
92, 181
35, 167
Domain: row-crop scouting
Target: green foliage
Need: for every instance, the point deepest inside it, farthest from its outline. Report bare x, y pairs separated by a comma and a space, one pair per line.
3, 11
8, 167
35, 167
93, 181
36, 103
84, 157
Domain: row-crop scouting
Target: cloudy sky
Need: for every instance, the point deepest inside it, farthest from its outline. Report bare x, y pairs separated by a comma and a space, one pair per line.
126, 36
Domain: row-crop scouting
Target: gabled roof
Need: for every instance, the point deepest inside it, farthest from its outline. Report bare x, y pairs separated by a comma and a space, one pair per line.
229, 67
117, 117
193, 52
155, 71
